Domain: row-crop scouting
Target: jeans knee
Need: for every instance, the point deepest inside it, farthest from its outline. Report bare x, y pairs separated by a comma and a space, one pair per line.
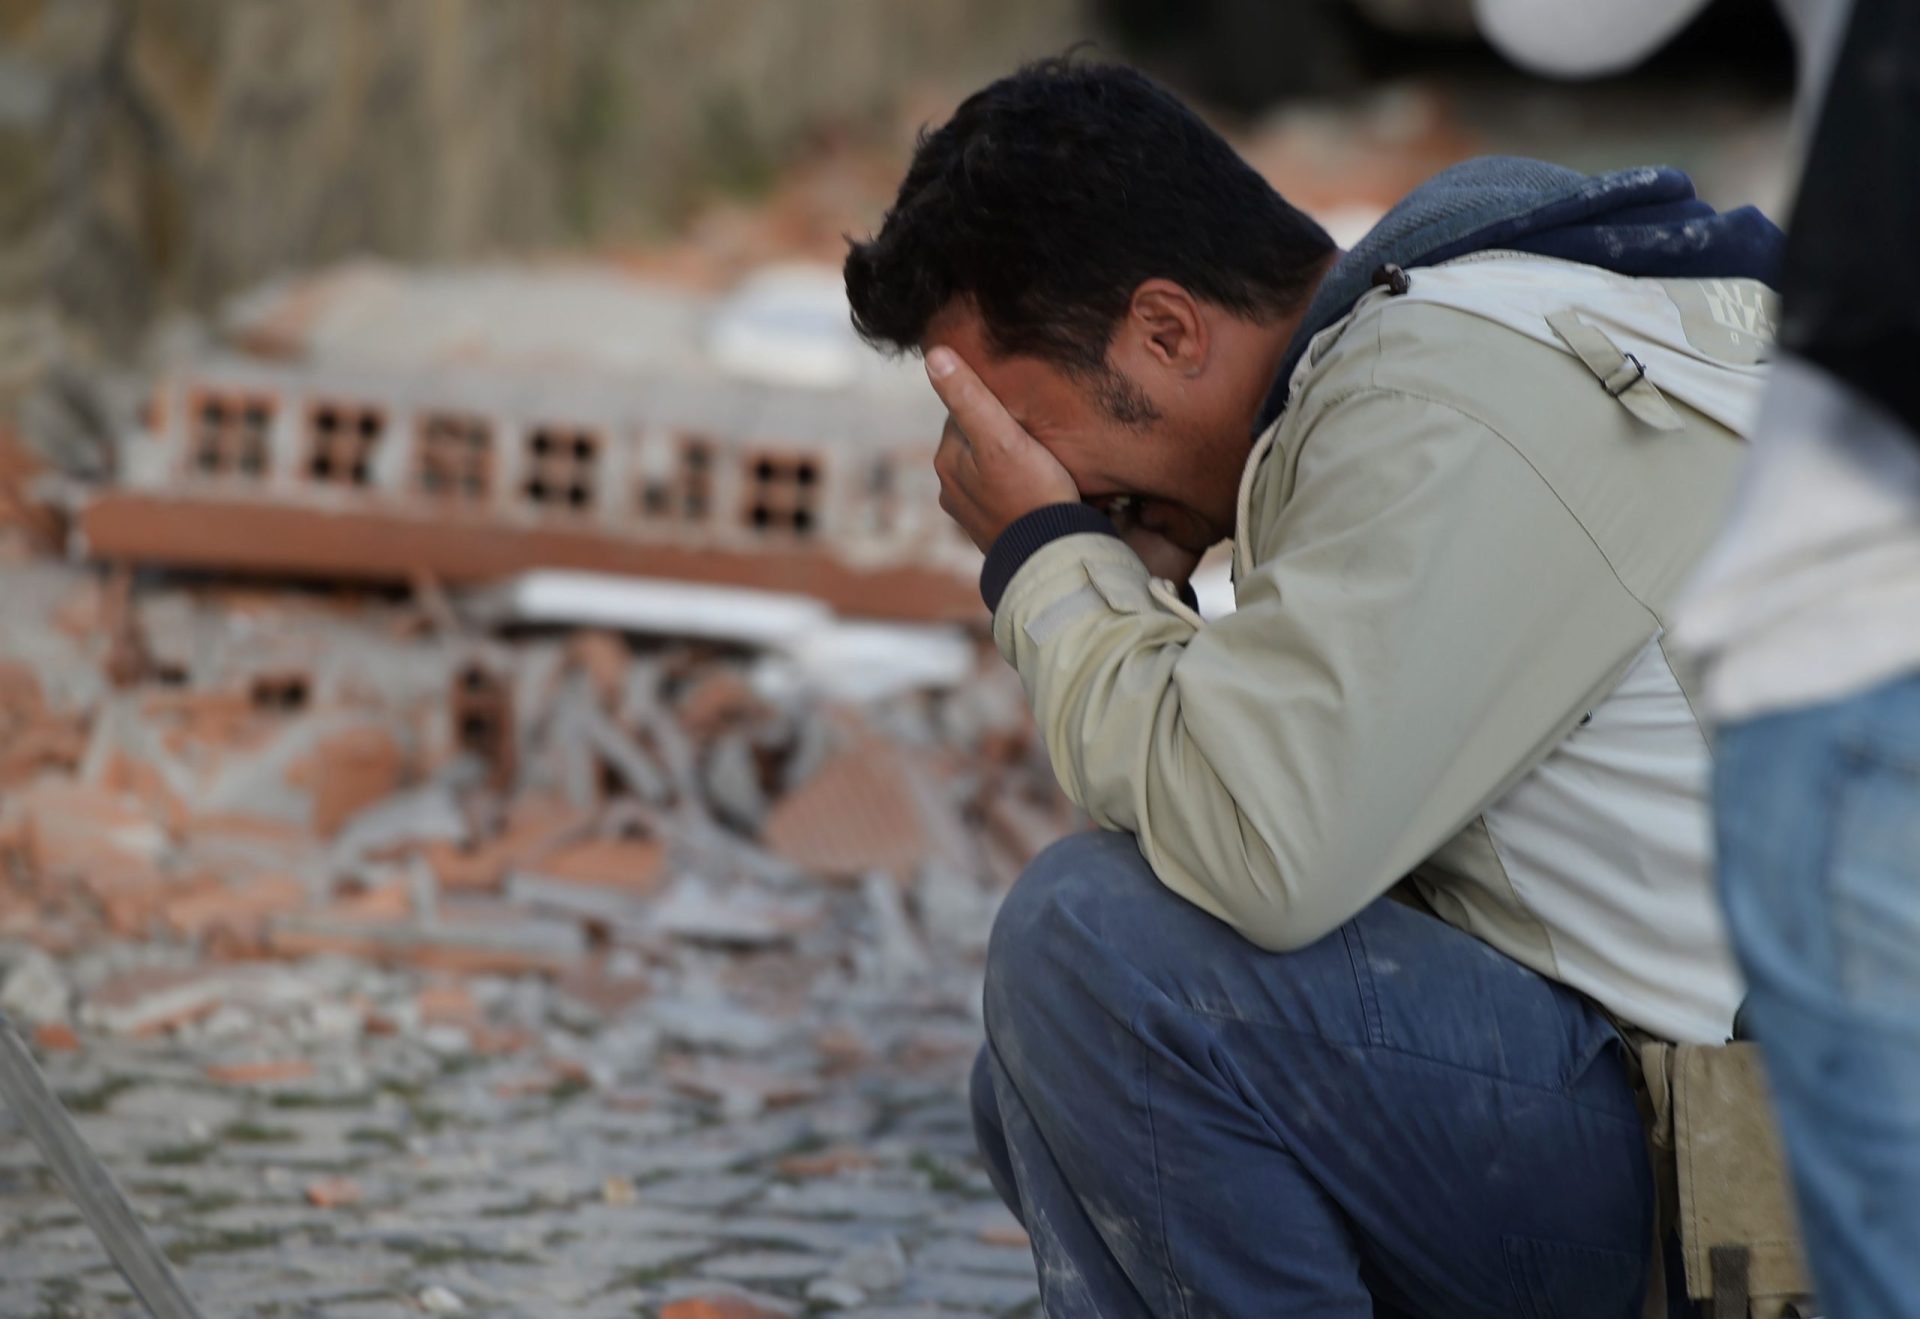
1071, 910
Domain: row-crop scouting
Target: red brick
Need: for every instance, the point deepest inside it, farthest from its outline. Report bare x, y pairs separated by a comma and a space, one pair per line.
610, 995
843, 1048
333, 1193
715, 702
39, 744
388, 904
145, 784
719, 1078
237, 912
826, 1163
604, 658
268, 1072
348, 772
154, 999
449, 1004
1022, 828
858, 813
73, 828
498, 1041
535, 827
636, 865
718, 1305
56, 1037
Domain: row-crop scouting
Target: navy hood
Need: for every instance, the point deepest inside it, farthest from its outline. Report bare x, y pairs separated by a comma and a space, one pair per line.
1642, 222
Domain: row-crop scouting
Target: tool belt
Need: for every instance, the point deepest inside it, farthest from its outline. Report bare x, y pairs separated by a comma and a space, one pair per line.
1721, 1181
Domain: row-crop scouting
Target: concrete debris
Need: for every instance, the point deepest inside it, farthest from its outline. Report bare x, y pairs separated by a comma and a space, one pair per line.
441, 1300
742, 1089
733, 781
734, 918
33, 990
859, 813
429, 813
707, 1021
875, 661
661, 608
811, 651
955, 909
599, 935
897, 953
877, 1267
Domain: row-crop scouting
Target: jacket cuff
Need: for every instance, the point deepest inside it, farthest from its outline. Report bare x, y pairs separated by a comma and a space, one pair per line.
1019, 542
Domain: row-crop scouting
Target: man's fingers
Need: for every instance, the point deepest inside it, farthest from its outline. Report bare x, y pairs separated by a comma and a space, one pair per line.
953, 464
952, 453
983, 419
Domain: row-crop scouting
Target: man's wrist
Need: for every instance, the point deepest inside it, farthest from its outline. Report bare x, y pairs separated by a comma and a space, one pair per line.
1027, 534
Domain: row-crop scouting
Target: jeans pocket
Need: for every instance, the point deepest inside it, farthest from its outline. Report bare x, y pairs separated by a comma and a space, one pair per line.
1565, 1280
1872, 879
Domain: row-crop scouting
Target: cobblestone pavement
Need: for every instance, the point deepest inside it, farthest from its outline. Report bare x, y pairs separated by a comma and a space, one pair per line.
814, 1155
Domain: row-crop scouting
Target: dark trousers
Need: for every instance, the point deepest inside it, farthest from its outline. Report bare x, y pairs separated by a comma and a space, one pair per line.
1395, 1120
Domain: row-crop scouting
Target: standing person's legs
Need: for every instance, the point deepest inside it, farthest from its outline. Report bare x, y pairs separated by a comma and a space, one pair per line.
1395, 1119
1818, 817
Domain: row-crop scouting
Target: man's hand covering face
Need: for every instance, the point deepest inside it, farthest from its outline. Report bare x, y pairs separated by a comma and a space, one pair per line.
992, 473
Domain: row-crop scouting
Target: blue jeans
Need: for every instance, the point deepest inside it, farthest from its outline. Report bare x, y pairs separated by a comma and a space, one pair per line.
1818, 816
1395, 1120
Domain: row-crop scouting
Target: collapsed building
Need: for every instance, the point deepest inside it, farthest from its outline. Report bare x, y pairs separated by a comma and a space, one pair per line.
378, 425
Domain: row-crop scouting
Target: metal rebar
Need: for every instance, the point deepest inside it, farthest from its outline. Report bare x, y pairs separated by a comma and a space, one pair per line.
24, 1090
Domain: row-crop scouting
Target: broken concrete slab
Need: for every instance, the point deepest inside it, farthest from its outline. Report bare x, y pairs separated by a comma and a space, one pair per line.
428, 813
737, 917
468, 937
859, 813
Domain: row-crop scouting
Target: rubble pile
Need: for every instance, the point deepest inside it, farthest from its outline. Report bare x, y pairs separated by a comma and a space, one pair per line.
395, 967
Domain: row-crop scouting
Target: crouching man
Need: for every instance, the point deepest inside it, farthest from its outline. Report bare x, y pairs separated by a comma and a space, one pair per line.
1235, 1065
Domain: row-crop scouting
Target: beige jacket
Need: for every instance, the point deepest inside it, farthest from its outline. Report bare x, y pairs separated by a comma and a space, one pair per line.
1454, 558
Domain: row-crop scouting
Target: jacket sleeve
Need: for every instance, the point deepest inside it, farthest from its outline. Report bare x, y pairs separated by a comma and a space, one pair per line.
1426, 620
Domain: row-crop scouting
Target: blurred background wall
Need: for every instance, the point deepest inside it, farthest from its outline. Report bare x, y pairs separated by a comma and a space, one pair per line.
162, 154
165, 152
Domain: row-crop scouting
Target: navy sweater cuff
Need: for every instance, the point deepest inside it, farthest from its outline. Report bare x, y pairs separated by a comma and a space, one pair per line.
1024, 538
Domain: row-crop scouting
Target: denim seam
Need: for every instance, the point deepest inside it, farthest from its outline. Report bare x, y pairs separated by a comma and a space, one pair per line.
1626, 1120
1178, 1293
1521, 1279
1514, 1248
1370, 1015
1832, 789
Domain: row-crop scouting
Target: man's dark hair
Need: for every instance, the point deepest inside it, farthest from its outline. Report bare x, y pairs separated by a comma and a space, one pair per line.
1051, 195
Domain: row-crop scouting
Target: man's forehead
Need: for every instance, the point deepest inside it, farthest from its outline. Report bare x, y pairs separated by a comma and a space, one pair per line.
958, 326
1026, 386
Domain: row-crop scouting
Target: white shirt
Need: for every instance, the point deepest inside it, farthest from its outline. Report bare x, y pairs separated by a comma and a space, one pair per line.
1813, 591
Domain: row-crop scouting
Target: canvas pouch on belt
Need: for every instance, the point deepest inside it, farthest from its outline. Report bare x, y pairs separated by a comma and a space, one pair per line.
1722, 1180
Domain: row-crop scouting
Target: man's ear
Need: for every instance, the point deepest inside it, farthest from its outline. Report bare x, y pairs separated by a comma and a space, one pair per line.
1170, 326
